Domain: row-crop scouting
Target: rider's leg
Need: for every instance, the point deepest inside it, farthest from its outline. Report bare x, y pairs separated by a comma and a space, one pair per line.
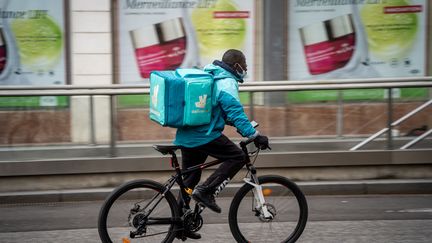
191, 157
224, 149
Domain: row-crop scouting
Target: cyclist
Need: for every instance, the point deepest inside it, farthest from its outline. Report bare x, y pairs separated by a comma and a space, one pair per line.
199, 142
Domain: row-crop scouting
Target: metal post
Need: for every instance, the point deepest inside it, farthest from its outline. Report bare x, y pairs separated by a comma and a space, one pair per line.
251, 106
92, 121
389, 120
340, 115
113, 150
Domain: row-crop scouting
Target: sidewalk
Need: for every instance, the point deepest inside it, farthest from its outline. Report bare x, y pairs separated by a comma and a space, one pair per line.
354, 187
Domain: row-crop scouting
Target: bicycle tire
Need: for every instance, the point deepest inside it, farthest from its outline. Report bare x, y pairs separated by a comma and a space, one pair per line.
275, 187
127, 195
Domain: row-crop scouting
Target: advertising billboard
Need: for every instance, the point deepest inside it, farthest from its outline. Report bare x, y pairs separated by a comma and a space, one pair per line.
169, 34
356, 39
32, 47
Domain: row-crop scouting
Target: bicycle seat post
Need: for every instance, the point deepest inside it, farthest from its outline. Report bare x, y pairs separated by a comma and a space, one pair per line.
175, 164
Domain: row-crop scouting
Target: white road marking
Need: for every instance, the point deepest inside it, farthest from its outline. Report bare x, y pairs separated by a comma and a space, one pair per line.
414, 210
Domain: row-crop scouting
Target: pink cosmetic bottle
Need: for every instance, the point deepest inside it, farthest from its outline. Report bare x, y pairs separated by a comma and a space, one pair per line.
160, 46
149, 54
343, 38
173, 42
318, 48
3, 53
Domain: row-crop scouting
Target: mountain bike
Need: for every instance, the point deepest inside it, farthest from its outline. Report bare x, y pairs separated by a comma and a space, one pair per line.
270, 208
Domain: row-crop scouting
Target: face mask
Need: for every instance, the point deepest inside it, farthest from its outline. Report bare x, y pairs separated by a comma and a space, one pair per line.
241, 74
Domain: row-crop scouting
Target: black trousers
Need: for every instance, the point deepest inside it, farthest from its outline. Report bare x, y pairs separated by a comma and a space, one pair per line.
221, 148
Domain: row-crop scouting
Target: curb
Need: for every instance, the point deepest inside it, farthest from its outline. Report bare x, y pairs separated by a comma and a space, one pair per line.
359, 187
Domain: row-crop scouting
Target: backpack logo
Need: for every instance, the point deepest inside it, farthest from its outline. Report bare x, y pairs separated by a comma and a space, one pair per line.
155, 95
202, 101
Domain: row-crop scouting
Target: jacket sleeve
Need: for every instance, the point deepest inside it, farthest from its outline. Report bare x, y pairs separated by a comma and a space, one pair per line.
228, 99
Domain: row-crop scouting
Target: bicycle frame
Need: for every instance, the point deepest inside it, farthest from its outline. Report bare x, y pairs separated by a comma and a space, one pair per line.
178, 177
185, 192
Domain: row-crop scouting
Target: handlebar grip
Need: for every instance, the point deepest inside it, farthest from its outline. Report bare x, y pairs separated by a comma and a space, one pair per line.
247, 141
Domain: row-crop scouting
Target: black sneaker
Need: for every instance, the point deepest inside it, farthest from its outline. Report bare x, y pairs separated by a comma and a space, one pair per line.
183, 235
207, 199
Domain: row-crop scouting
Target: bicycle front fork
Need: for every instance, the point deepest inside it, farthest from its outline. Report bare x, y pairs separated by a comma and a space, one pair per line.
257, 191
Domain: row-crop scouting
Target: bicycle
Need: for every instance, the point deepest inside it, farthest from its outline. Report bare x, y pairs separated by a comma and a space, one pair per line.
147, 211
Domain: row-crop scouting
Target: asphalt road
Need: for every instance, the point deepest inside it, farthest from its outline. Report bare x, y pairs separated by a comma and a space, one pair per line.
365, 218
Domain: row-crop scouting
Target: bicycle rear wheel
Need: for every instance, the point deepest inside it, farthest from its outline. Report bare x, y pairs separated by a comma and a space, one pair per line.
285, 202
137, 211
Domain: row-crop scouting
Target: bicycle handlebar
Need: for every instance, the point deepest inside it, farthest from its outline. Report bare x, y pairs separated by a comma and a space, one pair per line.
246, 141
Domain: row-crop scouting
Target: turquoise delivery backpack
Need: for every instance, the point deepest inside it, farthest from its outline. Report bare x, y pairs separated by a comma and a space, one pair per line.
181, 98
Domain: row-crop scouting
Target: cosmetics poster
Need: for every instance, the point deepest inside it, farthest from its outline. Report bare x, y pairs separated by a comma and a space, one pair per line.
356, 39
167, 34
32, 48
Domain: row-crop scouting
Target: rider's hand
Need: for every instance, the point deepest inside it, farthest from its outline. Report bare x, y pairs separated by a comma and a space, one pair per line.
262, 142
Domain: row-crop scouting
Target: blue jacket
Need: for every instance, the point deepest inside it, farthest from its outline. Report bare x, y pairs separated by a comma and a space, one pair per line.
227, 109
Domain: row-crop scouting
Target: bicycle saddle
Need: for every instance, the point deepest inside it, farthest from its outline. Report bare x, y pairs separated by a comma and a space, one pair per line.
166, 149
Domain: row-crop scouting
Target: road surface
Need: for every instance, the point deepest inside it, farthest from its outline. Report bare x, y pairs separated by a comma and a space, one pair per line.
363, 218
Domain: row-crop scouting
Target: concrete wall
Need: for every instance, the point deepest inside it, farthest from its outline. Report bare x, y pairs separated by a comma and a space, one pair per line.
91, 50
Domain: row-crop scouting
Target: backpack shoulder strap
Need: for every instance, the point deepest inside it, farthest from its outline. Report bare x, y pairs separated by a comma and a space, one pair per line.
218, 112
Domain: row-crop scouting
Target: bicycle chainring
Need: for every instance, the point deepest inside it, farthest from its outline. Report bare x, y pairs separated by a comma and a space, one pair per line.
192, 221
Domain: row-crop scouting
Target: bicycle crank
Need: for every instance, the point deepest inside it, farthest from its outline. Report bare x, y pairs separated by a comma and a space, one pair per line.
192, 221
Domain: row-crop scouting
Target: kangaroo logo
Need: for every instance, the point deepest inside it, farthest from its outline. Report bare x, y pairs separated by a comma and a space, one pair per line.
202, 101
155, 95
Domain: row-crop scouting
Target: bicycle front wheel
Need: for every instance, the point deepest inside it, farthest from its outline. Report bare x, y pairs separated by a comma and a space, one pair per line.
138, 211
284, 201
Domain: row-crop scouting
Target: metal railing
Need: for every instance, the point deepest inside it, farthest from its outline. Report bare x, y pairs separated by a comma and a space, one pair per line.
396, 123
258, 86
